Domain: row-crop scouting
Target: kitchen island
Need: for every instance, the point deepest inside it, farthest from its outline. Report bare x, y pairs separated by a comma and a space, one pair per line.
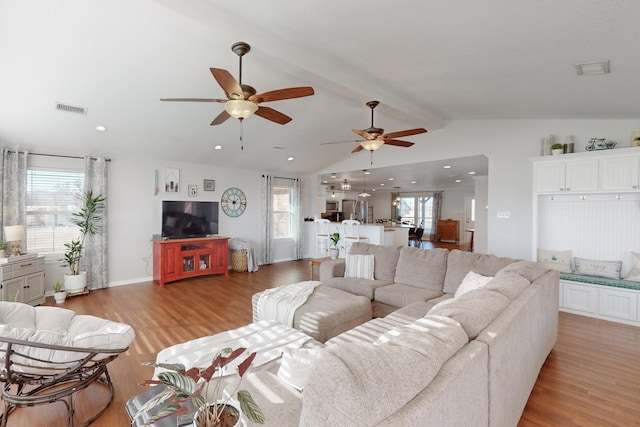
376, 234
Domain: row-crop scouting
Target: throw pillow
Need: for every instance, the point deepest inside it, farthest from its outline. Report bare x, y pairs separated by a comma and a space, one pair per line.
296, 365
634, 273
472, 281
591, 267
359, 266
555, 260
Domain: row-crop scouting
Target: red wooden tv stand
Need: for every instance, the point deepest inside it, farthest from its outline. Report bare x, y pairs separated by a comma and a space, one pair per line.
183, 258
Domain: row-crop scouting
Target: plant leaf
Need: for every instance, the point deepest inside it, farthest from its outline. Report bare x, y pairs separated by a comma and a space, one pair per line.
242, 368
178, 381
249, 407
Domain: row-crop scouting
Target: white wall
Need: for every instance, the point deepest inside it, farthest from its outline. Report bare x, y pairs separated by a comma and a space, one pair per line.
508, 144
135, 212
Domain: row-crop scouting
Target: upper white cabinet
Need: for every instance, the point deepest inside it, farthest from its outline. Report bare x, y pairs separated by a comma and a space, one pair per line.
606, 171
619, 173
563, 176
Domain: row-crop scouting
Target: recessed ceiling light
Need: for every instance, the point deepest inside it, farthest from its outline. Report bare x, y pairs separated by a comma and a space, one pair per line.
373, 189
458, 180
413, 182
447, 167
325, 182
290, 158
471, 173
366, 172
101, 128
391, 179
382, 184
591, 68
218, 147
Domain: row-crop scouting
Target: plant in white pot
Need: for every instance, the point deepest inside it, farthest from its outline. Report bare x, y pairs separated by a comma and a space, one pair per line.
59, 294
203, 389
556, 149
334, 251
87, 219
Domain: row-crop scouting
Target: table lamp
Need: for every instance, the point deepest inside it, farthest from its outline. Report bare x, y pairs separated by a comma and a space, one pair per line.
14, 234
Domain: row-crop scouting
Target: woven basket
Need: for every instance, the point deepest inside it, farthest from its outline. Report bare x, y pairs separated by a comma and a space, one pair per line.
239, 261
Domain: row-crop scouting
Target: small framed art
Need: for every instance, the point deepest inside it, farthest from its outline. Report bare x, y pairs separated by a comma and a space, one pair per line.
192, 190
209, 185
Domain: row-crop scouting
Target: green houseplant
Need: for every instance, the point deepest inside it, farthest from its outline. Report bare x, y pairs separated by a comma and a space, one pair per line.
556, 148
3, 249
87, 219
59, 294
203, 389
334, 251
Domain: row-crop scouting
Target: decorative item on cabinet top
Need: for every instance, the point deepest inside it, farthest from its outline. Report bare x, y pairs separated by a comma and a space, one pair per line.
635, 138
600, 144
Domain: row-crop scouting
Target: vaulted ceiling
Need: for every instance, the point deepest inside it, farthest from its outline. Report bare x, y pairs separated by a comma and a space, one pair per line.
426, 61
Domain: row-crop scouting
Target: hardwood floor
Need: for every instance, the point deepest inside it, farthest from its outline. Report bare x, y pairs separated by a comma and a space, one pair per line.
591, 378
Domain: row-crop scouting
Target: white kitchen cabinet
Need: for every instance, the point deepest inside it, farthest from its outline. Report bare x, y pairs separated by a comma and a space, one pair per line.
565, 176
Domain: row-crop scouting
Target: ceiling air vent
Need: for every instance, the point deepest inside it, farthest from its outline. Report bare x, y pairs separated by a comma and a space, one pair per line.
70, 108
278, 147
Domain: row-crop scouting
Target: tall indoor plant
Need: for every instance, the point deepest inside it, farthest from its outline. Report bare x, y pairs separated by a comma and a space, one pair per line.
87, 219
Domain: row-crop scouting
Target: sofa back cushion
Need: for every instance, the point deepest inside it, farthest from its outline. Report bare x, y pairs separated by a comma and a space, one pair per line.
459, 263
422, 269
385, 258
474, 310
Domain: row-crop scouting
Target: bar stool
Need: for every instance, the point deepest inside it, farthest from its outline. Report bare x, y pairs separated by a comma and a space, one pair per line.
351, 228
322, 236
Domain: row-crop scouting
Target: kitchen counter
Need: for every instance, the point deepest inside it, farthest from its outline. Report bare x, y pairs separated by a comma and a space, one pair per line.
375, 234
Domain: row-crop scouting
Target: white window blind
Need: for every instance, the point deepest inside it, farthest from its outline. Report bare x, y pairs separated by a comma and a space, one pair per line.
52, 196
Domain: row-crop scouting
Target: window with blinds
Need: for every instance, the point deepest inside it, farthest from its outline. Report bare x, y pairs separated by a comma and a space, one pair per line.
52, 196
281, 213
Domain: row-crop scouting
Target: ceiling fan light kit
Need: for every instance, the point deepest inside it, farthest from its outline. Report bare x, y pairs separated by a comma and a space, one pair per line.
371, 144
240, 109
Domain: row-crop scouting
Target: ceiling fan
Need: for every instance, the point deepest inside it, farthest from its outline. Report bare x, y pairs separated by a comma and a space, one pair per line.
242, 100
375, 137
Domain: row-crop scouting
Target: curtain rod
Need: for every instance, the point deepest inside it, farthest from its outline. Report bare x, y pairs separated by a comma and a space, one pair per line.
66, 157
283, 177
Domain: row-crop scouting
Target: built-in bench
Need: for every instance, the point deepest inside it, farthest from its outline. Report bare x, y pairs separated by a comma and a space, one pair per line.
617, 300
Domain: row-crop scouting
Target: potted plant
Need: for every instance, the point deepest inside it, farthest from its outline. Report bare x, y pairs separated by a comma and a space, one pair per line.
556, 149
202, 388
334, 251
59, 294
3, 249
87, 219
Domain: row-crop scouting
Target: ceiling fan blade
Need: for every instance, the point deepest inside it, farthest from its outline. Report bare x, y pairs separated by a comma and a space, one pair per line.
221, 118
398, 143
273, 115
403, 133
277, 95
228, 83
357, 149
365, 135
194, 100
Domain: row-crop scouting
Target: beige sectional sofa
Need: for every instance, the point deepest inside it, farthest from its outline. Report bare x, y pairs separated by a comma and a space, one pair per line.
434, 358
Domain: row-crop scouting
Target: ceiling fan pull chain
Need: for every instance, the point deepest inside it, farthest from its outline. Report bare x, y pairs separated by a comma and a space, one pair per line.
241, 140
371, 151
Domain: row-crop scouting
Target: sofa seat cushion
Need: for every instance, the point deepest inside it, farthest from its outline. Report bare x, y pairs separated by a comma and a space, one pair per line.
459, 263
422, 269
364, 287
385, 258
474, 310
411, 312
378, 379
400, 295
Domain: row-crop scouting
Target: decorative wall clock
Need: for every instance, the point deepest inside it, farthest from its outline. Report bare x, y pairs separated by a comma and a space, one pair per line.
234, 202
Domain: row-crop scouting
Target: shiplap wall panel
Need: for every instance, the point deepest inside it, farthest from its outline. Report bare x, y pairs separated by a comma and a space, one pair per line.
603, 226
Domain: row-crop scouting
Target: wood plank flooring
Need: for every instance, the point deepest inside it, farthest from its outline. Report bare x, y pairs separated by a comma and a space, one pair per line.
591, 378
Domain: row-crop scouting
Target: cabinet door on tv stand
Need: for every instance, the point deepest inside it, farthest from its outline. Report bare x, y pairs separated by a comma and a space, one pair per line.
172, 261
220, 257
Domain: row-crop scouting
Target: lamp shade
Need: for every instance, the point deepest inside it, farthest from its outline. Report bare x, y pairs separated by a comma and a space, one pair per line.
240, 108
371, 144
13, 233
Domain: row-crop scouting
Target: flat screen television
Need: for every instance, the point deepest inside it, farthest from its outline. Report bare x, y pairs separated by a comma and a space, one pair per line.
184, 219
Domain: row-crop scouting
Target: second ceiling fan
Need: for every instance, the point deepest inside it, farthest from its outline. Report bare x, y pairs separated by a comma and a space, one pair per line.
375, 137
242, 100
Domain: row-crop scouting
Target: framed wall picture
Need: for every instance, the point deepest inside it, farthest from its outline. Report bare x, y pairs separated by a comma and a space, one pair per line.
209, 185
171, 180
192, 190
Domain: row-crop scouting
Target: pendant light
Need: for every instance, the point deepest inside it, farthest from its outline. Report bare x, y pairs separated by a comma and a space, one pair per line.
364, 185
